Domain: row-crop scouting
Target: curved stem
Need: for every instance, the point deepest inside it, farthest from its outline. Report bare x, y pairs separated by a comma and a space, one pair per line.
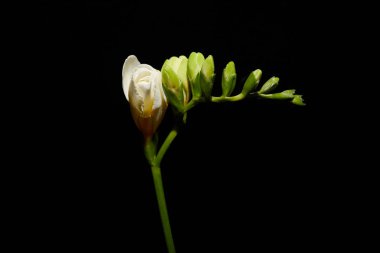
228, 99
193, 103
156, 172
165, 146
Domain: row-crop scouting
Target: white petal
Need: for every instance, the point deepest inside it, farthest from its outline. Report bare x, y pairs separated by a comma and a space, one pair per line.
161, 89
146, 66
157, 90
135, 99
141, 73
142, 80
128, 68
160, 103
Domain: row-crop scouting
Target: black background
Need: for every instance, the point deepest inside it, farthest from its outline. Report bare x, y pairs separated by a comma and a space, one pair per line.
239, 177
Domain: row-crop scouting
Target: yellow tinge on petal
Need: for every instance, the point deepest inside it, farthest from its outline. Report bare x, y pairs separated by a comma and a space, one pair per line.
146, 97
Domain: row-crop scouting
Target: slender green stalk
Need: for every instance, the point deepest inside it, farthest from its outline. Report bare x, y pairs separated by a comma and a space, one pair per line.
228, 99
173, 133
155, 162
156, 171
193, 103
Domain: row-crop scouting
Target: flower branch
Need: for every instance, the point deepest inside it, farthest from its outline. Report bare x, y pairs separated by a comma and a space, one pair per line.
183, 83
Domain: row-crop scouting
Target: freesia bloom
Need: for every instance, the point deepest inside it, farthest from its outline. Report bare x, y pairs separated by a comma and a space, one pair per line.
142, 85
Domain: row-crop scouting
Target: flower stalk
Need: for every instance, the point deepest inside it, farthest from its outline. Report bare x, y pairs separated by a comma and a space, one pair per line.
155, 163
157, 179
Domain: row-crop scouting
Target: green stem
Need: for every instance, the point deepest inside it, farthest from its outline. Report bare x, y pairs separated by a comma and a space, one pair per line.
173, 133
228, 99
155, 162
193, 103
156, 171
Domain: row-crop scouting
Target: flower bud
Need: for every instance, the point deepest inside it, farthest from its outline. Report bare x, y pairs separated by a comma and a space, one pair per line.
175, 82
286, 94
207, 76
270, 85
194, 68
228, 79
297, 100
251, 82
142, 86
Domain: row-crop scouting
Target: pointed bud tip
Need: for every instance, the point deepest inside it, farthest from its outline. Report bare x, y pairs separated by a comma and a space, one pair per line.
252, 82
258, 73
298, 100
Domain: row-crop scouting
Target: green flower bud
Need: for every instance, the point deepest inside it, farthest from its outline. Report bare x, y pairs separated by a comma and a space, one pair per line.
194, 68
207, 76
228, 79
286, 94
297, 100
179, 67
175, 82
251, 82
270, 85
173, 87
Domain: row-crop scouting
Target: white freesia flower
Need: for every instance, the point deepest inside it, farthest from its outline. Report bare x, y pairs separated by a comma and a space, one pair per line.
142, 85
